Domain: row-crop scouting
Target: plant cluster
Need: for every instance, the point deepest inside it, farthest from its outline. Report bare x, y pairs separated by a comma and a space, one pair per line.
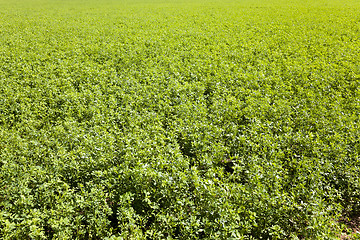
168, 120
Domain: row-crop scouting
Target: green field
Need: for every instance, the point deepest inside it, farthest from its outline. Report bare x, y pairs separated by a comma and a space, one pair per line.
234, 119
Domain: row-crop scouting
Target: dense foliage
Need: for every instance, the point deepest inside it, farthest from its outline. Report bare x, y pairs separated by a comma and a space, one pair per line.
160, 119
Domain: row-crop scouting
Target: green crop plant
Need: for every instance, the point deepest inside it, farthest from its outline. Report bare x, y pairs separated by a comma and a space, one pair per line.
179, 119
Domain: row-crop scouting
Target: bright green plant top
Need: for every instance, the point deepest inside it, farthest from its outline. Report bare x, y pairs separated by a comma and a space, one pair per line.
179, 119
